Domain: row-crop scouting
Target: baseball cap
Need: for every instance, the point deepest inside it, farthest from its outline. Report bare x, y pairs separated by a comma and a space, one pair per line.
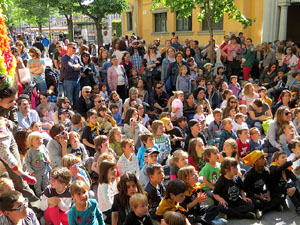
150, 151
192, 122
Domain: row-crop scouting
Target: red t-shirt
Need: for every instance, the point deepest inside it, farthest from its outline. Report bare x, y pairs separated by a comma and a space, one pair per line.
243, 148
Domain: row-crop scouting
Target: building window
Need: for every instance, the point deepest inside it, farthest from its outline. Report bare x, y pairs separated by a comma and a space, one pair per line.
129, 20
160, 22
183, 24
216, 26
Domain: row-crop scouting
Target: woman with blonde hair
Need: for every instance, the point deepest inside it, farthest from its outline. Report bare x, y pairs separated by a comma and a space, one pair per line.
22, 50
248, 95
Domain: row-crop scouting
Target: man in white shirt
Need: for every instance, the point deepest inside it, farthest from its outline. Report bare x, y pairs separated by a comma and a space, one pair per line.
106, 40
26, 115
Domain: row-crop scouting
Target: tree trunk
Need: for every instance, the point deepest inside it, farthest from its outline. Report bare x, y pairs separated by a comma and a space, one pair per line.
99, 31
211, 41
40, 28
70, 27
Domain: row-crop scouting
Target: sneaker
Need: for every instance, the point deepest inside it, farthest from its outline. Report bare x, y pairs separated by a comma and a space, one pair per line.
258, 214
250, 215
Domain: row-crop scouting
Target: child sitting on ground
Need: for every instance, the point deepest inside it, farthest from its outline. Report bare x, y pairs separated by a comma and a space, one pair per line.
155, 188
115, 138
102, 146
242, 141
174, 196
230, 149
139, 211
116, 113
229, 192
78, 123
280, 174
178, 160
107, 188
105, 120
255, 142
91, 131
147, 140
194, 196
294, 147
63, 118
215, 127
195, 151
239, 121
56, 199
161, 140
85, 210
227, 132
210, 171
76, 148
289, 133
37, 162
151, 156
256, 183
128, 161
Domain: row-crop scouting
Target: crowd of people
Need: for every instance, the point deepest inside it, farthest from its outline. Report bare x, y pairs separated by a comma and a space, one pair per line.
138, 134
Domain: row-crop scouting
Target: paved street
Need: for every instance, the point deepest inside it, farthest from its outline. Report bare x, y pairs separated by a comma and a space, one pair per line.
287, 217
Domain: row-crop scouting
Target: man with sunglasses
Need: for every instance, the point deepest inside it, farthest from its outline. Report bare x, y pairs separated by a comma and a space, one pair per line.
71, 66
15, 210
159, 98
83, 104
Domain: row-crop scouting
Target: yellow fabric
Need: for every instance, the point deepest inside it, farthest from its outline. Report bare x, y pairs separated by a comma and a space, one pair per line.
167, 205
269, 101
193, 189
251, 158
165, 120
94, 126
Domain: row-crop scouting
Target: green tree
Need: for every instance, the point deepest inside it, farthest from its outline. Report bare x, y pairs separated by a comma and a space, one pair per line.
13, 16
212, 11
35, 12
66, 8
99, 9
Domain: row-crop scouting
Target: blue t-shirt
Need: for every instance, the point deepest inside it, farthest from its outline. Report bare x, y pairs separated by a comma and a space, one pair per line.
38, 78
91, 215
296, 84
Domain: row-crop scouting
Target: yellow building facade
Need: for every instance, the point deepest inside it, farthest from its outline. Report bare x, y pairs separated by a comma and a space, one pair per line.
160, 23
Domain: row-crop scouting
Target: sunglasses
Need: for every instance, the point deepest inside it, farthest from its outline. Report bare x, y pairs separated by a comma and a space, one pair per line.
21, 207
31, 55
58, 46
100, 101
151, 48
159, 87
233, 102
88, 92
86, 56
287, 113
66, 102
74, 48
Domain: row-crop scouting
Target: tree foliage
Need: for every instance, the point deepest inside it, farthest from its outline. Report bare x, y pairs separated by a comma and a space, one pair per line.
99, 9
212, 11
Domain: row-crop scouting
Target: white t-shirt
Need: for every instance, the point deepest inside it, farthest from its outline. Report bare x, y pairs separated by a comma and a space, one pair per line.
121, 80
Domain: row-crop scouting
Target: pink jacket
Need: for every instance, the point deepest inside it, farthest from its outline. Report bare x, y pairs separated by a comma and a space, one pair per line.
112, 78
230, 50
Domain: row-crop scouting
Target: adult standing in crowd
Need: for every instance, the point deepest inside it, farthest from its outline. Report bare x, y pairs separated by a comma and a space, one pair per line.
36, 67
136, 55
170, 58
106, 40
22, 50
249, 60
117, 79
71, 67
232, 53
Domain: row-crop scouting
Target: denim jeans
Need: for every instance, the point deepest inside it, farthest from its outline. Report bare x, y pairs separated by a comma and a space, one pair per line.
71, 90
60, 89
41, 87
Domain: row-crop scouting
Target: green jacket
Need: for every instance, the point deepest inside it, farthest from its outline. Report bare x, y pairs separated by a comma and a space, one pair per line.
249, 57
